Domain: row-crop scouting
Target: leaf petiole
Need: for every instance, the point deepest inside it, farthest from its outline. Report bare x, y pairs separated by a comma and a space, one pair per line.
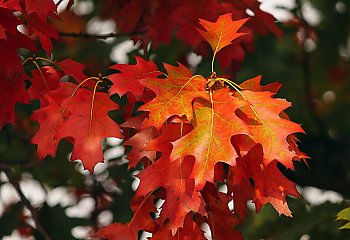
238, 89
84, 81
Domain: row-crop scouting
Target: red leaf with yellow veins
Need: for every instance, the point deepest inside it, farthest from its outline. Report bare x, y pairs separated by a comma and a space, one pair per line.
210, 141
88, 125
174, 95
221, 33
50, 118
130, 76
267, 127
43, 81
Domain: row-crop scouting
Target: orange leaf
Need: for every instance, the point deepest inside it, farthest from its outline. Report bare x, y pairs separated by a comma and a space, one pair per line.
221, 33
174, 95
209, 142
267, 127
129, 78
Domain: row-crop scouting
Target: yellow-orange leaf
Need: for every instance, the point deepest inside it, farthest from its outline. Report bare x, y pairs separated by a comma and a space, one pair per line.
267, 127
209, 142
221, 33
174, 95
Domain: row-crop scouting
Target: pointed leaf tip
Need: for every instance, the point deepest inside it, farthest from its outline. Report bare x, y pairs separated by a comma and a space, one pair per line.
221, 33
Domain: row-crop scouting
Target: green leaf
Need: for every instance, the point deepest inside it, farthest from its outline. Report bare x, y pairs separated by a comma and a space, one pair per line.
344, 215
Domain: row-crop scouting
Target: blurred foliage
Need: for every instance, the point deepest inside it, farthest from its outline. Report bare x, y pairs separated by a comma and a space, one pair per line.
317, 222
312, 61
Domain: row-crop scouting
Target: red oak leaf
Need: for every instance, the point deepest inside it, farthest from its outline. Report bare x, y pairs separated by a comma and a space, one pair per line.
170, 133
254, 85
263, 21
270, 186
181, 195
210, 141
11, 4
293, 146
240, 185
222, 32
44, 80
11, 64
12, 91
138, 143
141, 220
73, 69
134, 122
186, 14
174, 95
50, 118
130, 76
88, 125
189, 231
117, 231
220, 219
262, 114
43, 8
43, 30
142, 206
8, 22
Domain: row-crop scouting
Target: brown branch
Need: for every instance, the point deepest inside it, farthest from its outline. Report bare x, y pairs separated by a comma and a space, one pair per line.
24, 199
98, 36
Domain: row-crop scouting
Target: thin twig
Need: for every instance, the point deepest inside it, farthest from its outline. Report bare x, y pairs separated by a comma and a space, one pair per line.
97, 36
18, 165
34, 212
58, 3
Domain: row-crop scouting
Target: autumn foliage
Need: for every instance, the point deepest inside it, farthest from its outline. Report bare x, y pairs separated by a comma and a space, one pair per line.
190, 133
